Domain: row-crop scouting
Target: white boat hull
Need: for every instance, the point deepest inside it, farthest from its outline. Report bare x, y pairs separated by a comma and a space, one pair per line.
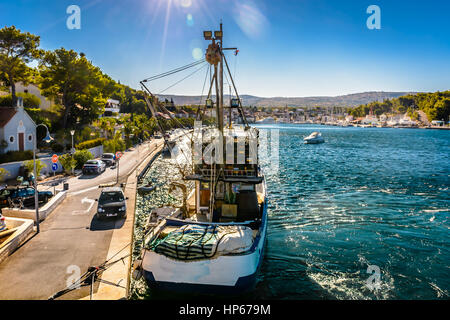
314, 141
223, 274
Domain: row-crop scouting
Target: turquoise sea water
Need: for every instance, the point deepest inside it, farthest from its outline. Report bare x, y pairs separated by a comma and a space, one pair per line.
367, 196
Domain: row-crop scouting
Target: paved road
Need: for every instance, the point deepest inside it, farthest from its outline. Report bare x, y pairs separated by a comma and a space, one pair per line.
128, 162
70, 236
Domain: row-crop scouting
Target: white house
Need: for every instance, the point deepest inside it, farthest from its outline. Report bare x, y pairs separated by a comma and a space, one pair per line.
370, 119
438, 123
112, 106
349, 118
406, 121
17, 128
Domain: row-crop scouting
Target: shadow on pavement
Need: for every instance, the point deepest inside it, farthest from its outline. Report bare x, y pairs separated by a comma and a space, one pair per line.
106, 223
88, 176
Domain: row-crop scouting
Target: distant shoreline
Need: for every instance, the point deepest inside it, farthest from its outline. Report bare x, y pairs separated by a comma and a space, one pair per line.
352, 126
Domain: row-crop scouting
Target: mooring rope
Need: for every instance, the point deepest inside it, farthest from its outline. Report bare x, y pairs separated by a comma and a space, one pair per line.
91, 275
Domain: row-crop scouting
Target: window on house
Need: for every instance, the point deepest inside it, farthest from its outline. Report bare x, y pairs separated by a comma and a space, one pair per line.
11, 139
30, 137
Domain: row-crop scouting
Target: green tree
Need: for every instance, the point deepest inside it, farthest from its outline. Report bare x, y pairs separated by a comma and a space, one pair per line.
16, 50
81, 156
29, 164
3, 174
114, 145
29, 100
107, 125
68, 162
80, 88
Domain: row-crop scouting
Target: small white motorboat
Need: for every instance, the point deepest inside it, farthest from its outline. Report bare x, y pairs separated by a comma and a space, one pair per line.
314, 138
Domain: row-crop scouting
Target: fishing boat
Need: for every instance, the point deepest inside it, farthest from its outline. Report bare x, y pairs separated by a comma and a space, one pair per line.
214, 242
314, 138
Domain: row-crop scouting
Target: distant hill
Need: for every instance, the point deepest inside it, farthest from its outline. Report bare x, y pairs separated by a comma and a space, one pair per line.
349, 100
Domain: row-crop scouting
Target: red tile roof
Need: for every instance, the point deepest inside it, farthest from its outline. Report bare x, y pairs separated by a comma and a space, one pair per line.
6, 114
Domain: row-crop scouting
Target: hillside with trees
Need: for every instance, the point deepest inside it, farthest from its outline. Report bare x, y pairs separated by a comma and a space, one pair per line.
352, 100
435, 105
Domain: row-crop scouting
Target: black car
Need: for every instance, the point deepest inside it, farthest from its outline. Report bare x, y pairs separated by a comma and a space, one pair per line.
19, 197
112, 203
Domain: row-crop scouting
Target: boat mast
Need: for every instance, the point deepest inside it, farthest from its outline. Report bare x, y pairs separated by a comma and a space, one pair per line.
214, 56
221, 114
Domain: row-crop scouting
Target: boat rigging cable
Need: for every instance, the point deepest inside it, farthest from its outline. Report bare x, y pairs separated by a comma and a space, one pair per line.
92, 275
153, 98
168, 73
201, 96
240, 110
189, 75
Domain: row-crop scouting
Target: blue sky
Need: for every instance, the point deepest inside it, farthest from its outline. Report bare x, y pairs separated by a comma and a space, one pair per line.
287, 48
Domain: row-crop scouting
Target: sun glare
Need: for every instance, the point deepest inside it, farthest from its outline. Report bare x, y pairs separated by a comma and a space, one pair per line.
178, 14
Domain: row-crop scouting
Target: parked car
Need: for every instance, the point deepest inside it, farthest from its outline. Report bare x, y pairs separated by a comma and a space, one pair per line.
2, 222
20, 197
3, 198
109, 159
94, 166
112, 203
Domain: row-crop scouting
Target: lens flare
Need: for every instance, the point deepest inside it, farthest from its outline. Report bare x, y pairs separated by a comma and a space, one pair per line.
250, 19
197, 53
186, 3
189, 20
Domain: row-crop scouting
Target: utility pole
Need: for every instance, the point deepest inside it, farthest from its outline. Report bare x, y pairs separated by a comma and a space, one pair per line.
72, 132
48, 138
118, 161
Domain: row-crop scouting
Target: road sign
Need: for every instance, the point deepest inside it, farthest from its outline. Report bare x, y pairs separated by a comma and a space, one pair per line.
54, 158
54, 166
118, 155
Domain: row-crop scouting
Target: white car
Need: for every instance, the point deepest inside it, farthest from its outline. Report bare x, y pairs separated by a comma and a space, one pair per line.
94, 166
